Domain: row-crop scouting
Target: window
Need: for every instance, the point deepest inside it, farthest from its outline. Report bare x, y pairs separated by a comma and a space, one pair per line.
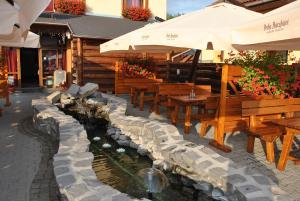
133, 3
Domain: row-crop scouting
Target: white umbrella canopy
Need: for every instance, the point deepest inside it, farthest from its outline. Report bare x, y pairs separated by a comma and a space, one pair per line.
209, 28
31, 41
124, 43
19, 14
276, 30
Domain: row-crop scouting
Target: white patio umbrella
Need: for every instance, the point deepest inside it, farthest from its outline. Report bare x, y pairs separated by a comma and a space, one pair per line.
276, 30
31, 41
209, 28
19, 15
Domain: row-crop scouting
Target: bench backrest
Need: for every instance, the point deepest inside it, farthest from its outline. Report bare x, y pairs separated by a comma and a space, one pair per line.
271, 106
233, 120
174, 89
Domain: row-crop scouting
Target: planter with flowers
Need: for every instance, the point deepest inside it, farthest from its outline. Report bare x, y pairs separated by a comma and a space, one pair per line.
137, 14
264, 74
134, 72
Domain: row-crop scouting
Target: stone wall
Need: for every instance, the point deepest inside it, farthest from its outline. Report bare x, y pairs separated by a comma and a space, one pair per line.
161, 141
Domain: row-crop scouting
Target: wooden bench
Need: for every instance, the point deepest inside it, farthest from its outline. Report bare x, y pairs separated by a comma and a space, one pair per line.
232, 118
261, 112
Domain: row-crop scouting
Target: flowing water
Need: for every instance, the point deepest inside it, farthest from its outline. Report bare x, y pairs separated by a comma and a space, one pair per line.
120, 170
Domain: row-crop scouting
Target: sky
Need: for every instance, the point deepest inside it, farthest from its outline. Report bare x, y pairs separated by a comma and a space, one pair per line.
185, 6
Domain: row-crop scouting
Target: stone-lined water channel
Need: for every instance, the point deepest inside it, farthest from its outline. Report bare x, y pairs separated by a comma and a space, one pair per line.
120, 170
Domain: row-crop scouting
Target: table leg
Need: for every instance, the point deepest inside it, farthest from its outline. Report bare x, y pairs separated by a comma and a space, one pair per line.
286, 146
175, 115
131, 95
187, 124
142, 95
135, 98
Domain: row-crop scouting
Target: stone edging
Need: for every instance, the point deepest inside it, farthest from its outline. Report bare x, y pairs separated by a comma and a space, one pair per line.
73, 162
77, 180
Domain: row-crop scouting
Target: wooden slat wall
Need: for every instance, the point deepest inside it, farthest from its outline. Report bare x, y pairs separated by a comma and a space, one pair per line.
100, 68
205, 74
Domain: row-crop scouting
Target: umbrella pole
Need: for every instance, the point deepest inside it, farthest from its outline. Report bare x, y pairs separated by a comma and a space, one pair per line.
194, 65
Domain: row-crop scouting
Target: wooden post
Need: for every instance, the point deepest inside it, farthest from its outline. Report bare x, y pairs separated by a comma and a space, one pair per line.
146, 4
194, 65
19, 76
218, 141
116, 77
69, 63
41, 77
79, 61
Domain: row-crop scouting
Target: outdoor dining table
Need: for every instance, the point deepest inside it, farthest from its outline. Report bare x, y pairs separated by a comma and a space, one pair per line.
139, 90
292, 126
187, 102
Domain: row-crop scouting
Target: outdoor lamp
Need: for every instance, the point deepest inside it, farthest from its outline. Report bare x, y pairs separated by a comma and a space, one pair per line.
68, 35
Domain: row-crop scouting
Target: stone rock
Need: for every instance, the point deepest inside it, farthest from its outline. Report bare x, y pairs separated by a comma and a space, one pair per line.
65, 181
133, 145
54, 97
142, 151
204, 186
187, 182
216, 193
123, 142
73, 90
66, 100
88, 89
123, 137
111, 131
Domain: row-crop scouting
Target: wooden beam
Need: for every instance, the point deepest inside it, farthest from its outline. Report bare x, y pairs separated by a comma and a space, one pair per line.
69, 63
79, 62
194, 64
40, 57
19, 77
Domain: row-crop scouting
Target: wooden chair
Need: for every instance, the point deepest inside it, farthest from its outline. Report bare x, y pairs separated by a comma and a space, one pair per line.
164, 90
260, 113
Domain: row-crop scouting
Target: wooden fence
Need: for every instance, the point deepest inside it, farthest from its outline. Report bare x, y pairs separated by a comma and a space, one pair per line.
88, 65
204, 74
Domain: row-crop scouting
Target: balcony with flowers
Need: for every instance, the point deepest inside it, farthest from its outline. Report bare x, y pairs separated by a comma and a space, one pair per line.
74, 7
136, 10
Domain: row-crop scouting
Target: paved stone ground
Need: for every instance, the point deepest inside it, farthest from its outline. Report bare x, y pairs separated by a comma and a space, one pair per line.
288, 180
24, 159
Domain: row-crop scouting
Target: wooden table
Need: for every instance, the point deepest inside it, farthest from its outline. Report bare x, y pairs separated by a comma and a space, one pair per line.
292, 126
140, 90
187, 102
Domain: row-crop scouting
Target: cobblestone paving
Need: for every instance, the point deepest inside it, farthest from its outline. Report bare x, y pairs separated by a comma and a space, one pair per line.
44, 186
24, 158
288, 180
